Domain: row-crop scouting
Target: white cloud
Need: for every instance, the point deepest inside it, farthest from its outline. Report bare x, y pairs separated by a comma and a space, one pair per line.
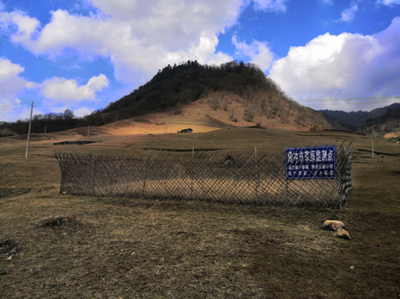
64, 89
119, 9
342, 66
388, 2
138, 39
270, 5
11, 84
82, 112
348, 14
258, 51
27, 27
327, 2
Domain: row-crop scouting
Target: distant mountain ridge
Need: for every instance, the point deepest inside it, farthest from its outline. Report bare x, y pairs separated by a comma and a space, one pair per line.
386, 123
355, 121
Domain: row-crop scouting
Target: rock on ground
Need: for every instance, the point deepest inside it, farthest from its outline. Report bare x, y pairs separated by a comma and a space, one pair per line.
342, 233
334, 225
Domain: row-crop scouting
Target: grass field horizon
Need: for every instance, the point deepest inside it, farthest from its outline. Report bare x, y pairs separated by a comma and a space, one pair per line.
147, 248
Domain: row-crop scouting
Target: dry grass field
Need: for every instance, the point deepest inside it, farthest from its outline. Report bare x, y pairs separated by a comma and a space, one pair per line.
89, 247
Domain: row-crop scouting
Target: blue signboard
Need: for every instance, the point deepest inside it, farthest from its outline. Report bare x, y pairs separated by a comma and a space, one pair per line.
318, 162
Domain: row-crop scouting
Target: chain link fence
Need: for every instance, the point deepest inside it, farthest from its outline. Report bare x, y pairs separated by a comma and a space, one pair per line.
230, 177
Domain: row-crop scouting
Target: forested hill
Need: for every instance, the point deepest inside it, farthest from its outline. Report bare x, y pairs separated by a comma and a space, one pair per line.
185, 83
176, 86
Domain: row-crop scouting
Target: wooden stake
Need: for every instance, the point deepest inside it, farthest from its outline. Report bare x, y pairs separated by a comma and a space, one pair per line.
29, 133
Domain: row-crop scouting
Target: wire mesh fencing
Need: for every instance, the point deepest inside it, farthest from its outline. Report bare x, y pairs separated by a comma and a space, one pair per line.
245, 178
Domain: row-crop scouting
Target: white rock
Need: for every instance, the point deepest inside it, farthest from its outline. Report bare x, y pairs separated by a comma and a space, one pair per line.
334, 225
342, 233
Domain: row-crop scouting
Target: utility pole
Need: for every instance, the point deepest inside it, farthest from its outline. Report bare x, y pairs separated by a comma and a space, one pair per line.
45, 128
88, 129
135, 129
165, 125
116, 117
244, 113
372, 142
29, 133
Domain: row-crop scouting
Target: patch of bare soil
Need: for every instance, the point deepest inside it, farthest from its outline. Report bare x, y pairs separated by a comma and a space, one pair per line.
11, 192
60, 222
392, 134
46, 189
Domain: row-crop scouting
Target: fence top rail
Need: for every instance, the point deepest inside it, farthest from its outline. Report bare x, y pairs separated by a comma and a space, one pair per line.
184, 150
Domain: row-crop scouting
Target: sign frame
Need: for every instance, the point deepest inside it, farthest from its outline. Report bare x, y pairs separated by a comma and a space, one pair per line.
310, 163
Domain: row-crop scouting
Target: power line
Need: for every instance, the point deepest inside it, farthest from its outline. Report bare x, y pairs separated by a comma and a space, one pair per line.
297, 100
369, 100
350, 100
344, 105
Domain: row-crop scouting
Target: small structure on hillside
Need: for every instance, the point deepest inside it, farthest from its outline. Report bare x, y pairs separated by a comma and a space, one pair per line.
186, 131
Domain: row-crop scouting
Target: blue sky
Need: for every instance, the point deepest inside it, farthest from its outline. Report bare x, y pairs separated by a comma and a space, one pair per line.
82, 54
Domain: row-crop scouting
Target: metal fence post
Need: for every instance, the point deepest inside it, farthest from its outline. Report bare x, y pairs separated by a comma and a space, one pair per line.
145, 176
256, 170
123, 176
63, 174
286, 179
93, 172
191, 174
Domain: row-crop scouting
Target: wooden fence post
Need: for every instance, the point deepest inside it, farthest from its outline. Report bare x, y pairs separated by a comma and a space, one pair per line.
145, 176
256, 170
